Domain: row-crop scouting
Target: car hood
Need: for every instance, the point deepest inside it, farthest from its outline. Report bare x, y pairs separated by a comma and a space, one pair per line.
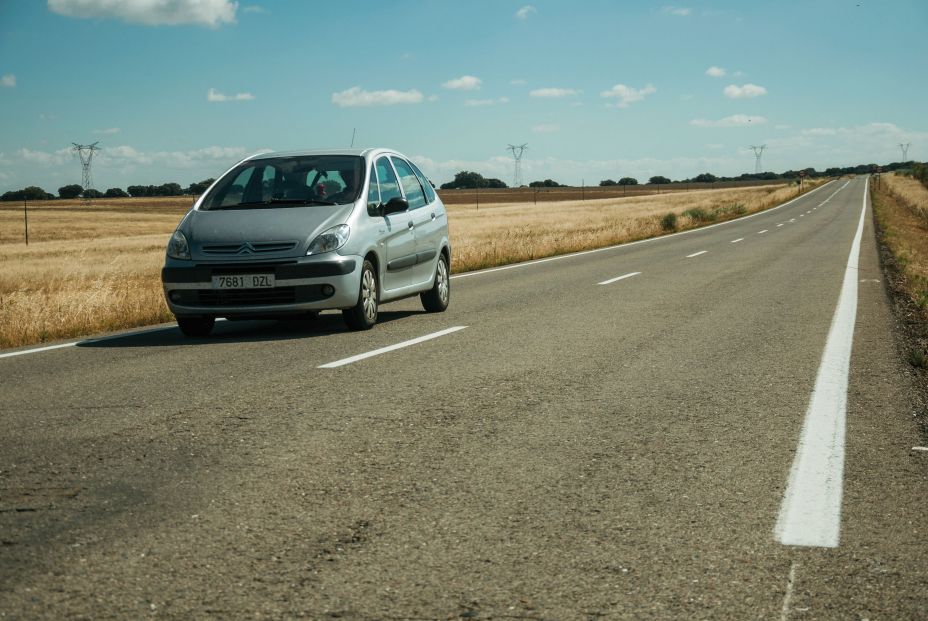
264, 233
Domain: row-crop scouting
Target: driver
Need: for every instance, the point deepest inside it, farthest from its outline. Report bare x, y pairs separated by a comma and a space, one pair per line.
350, 191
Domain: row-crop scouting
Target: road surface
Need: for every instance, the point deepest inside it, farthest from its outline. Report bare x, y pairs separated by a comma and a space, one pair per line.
609, 435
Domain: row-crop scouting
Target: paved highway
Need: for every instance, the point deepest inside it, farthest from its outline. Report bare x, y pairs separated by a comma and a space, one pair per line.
715, 424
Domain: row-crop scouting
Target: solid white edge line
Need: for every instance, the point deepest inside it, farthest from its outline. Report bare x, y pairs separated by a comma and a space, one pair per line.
389, 348
634, 243
696, 254
735, 241
762, 232
810, 513
618, 278
37, 350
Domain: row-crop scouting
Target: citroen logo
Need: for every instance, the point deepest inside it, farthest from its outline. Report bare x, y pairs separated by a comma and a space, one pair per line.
245, 248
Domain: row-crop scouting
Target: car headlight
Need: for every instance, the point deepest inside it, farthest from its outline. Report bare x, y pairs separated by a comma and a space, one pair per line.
330, 240
177, 247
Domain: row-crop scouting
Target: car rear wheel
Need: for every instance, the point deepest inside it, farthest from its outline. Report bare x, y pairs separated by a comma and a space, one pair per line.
196, 326
436, 299
363, 315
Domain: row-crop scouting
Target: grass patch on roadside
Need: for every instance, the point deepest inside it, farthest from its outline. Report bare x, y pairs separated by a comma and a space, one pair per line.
901, 208
94, 269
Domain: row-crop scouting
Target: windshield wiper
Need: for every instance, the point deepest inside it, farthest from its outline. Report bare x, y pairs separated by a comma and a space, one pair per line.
299, 201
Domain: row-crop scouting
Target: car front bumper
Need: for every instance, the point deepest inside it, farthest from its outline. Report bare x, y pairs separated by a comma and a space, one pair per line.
310, 284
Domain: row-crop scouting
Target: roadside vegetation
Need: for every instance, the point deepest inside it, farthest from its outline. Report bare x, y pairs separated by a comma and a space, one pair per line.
901, 207
91, 269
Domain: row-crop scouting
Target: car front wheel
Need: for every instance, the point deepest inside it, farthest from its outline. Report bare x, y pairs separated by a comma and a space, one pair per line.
363, 315
436, 299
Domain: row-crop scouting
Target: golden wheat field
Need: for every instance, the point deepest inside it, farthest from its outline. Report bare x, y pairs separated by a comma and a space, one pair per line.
901, 204
91, 269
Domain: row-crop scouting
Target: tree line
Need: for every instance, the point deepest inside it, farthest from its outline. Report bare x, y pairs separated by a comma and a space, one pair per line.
72, 191
464, 180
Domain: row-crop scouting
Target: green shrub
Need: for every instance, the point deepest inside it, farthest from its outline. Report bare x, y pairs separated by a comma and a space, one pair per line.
669, 222
700, 215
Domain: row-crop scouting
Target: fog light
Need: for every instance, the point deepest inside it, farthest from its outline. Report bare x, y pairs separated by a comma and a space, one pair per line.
175, 296
327, 290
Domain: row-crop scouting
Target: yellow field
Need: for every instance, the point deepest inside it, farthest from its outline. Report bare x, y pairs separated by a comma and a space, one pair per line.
93, 269
901, 205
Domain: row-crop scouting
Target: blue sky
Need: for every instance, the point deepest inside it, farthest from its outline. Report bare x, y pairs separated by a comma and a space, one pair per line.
179, 91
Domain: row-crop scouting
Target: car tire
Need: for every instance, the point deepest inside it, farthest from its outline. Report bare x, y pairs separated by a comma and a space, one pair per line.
196, 326
363, 315
436, 299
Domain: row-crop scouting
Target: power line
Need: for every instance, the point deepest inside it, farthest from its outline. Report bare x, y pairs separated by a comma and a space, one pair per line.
85, 153
758, 150
517, 151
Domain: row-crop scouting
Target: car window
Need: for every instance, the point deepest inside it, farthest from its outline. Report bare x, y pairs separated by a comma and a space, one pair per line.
411, 186
389, 187
289, 181
429, 190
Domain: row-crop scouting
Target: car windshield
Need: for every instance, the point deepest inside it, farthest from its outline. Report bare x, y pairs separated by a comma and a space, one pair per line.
294, 181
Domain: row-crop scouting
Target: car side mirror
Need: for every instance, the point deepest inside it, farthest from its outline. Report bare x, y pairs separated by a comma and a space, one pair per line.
395, 205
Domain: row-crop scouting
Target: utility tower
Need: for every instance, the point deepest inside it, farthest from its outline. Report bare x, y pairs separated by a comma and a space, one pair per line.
758, 150
85, 153
905, 151
517, 151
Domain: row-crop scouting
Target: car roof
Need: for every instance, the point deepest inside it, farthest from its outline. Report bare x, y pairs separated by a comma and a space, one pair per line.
366, 152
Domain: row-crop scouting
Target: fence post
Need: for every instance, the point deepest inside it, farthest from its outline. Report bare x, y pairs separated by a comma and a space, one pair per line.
477, 194
26, 218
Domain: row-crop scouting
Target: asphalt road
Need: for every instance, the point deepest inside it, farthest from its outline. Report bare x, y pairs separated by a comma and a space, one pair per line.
576, 451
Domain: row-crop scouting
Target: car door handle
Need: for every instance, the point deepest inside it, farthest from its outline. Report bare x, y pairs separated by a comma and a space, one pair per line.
433, 216
411, 224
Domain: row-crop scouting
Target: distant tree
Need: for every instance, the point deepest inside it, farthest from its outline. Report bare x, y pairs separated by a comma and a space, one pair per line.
70, 191
606, 182
547, 183
92, 193
115, 193
138, 190
628, 181
705, 178
168, 189
658, 179
31, 193
199, 187
467, 180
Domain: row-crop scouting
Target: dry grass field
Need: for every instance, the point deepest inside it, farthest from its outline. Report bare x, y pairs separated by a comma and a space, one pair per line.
901, 206
91, 269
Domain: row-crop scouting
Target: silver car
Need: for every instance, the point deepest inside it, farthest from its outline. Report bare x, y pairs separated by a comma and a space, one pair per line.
284, 234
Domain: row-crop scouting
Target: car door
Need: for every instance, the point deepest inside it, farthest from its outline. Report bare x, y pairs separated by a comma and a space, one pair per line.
397, 237
423, 221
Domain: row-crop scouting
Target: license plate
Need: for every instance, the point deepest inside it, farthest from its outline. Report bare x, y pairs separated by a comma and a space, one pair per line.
243, 281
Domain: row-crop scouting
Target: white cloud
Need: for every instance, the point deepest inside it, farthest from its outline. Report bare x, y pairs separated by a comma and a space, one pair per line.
434, 98
214, 95
356, 96
525, 11
464, 83
748, 91
9, 80
212, 13
546, 128
486, 102
735, 120
253, 8
678, 11
715, 145
715, 72
44, 158
628, 95
517, 82
109, 130
553, 92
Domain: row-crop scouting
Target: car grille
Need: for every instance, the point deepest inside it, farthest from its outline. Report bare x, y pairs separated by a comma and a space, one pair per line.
247, 297
246, 248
